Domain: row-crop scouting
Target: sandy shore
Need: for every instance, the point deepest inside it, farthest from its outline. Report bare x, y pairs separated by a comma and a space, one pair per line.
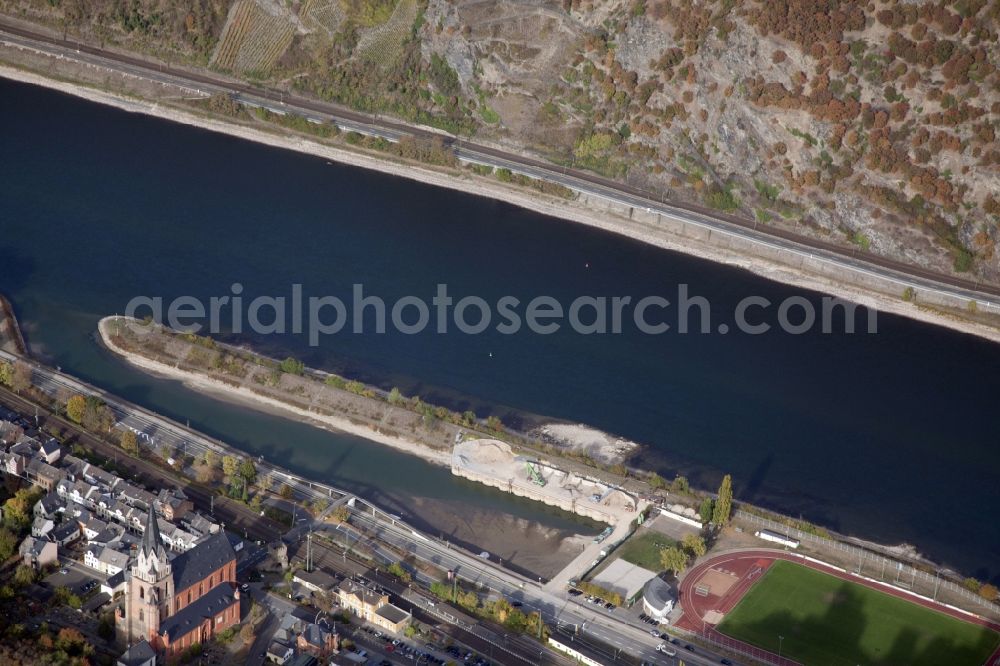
480, 186
580, 438
243, 396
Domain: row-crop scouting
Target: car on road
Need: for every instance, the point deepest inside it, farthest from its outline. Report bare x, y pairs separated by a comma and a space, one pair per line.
64, 571
654, 633
689, 648
726, 662
666, 649
516, 604
573, 592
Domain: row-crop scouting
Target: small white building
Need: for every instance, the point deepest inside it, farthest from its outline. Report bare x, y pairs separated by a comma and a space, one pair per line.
778, 538
657, 599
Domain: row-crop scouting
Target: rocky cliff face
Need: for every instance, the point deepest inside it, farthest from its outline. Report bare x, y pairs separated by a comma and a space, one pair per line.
872, 124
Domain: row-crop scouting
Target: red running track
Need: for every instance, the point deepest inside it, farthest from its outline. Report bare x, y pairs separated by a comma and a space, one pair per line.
748, 566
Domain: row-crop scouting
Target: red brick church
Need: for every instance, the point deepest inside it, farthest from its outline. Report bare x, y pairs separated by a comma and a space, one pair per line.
174, 604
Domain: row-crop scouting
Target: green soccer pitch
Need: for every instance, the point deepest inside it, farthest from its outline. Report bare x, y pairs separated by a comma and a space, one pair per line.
828, 621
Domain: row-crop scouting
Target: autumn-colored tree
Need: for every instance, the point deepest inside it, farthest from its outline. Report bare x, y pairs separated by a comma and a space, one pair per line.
724, 503
129, 442
673, 559
229, 465
21, 378
75, 408
694, 544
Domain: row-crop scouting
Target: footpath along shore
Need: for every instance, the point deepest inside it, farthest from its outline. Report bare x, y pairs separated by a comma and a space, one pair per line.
591, 211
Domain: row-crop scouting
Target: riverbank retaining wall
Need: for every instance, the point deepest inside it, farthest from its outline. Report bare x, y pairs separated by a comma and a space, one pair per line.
811, 264
530, 492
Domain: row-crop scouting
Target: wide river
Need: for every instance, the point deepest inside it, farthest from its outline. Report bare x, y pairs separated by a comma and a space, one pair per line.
888, 436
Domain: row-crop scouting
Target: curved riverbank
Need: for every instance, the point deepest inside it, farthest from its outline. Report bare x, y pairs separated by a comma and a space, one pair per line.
224, 390
770, 262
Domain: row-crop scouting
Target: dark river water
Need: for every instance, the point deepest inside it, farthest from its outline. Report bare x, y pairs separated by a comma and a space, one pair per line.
889, 436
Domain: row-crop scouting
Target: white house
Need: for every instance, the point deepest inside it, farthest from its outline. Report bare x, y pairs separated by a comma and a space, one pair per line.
41, 527
105, 560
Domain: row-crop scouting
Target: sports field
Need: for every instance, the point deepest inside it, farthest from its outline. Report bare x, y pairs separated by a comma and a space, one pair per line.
825, 620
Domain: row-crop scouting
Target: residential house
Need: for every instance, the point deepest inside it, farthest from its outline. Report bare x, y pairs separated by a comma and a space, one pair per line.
279, 652
199, 524
173, 504
135, 497
372, 606
38, 553
140, 654
114, 585
315, 580
50, 451
106, 560
93, 527
318, 641
65, 532
42, 474
41, 527
49, 506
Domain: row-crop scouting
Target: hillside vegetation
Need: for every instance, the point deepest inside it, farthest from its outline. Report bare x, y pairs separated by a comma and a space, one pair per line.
872, 124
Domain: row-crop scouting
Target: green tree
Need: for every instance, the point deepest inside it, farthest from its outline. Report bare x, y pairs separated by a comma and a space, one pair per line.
211, 458
673, 559
24, 575
8, 544
395, 397
680, 485
229, 465
293, 366
129, 442
341, 514
724, 504
397, 570
706, 509
988, 592
656, 481
286, 491
694, 544
97, 416
75, 408
17, 511
6, 373
248, 470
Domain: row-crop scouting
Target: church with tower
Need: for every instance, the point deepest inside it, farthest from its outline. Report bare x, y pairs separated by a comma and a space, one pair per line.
173, 604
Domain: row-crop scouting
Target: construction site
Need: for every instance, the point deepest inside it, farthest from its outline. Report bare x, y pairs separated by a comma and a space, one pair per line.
494, 463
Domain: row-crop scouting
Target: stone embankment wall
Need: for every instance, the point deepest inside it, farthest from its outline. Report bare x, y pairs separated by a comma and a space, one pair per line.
581, 508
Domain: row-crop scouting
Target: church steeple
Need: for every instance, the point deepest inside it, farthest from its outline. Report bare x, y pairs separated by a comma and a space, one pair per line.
152, 543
